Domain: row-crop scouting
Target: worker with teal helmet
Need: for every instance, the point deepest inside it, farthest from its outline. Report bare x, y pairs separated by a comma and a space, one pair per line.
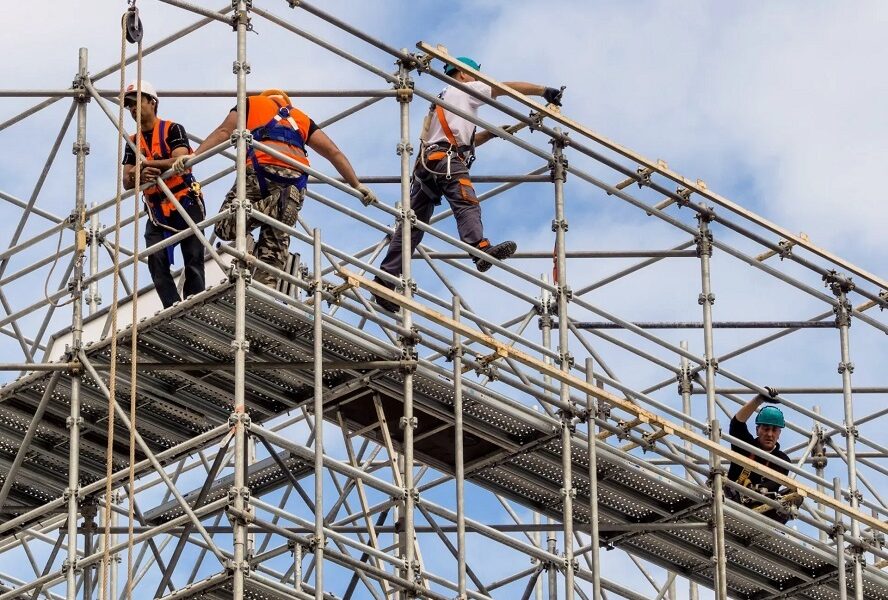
769, 424
450, 69
447, 150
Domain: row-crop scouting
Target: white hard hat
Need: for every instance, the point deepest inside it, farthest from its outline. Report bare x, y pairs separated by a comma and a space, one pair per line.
147, 89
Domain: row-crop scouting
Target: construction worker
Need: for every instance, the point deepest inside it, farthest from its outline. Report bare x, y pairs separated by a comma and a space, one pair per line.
769, 423
447, 150
161, 142
275, 187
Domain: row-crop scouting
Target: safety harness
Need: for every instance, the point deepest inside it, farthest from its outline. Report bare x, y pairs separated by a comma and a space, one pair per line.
184, 187
745, 479
439, 149
274, 130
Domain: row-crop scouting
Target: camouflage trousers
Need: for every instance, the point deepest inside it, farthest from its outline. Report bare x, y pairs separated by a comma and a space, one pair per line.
282, 202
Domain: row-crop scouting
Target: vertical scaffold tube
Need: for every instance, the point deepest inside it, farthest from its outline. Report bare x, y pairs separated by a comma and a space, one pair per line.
840, 287
408, 342
459, 457
318, 416
819, 455
94, 298
81, 149
684, 386
841, 581
546, 332
592, 412
241, 19
704, 251
567, 425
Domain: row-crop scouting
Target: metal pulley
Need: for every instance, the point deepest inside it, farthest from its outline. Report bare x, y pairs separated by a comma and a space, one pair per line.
133, 25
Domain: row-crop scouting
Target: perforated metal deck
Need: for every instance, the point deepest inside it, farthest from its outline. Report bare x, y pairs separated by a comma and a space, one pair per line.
510, 449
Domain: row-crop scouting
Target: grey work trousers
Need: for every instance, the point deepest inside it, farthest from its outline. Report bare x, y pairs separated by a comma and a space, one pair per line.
429, 184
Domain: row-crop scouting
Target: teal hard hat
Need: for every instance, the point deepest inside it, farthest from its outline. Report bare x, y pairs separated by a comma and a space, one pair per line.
450, 69
770, 415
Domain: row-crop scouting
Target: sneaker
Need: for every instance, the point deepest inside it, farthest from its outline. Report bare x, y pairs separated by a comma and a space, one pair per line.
501, 251
382, 302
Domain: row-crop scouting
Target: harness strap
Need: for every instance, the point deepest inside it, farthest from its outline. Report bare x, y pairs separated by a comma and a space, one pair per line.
744, 478
448, 133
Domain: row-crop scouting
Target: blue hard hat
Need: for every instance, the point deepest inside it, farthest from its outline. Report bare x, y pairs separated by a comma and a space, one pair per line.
450, 69
770, 415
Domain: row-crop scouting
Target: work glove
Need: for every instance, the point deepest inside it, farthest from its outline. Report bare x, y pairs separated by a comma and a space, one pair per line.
772, 395
367, 195
179, 164
553, 95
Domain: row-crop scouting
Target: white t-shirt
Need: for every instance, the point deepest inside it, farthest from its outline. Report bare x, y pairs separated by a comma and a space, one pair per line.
461, 128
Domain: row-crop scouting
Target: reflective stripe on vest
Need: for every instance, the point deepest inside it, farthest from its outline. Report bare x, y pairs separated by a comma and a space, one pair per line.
179, 185
278, 126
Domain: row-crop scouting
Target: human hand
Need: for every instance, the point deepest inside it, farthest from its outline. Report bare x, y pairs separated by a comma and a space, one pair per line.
178, 165
553, 95
150, 173
368, 197
772, 395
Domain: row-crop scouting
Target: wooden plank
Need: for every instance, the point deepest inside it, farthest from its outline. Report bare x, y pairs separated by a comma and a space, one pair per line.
589, 388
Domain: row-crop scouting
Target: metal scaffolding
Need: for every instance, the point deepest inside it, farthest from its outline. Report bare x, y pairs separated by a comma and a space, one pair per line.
301, 442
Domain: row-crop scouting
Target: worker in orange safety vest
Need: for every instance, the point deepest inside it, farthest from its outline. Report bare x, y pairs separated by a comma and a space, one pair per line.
275, 187
161, 142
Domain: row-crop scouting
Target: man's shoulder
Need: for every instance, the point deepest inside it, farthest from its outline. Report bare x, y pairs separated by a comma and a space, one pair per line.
780, 454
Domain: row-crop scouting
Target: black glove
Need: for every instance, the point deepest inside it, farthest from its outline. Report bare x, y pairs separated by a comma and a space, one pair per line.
553, 95
772, 394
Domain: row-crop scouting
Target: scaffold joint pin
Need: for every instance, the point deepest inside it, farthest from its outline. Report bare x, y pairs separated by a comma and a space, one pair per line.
846, 366
237, 67
559, 224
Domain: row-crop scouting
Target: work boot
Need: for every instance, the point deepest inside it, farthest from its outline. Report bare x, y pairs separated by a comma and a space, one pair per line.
382, 302
501, 251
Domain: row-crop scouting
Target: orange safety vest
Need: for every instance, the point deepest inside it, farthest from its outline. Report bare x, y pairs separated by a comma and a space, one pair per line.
278, 126
179, 185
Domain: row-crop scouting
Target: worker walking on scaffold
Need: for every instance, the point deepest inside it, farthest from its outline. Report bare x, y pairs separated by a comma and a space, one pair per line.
161, 142
447, 150
769, 424
274, 186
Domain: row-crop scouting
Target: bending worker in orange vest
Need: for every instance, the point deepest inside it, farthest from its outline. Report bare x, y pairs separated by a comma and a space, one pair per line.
275, 187
447, 150
161, 143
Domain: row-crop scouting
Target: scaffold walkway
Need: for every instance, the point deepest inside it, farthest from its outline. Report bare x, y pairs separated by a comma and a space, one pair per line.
510, 449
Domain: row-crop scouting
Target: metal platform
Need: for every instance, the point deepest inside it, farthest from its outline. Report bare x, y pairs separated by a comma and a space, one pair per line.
510, 449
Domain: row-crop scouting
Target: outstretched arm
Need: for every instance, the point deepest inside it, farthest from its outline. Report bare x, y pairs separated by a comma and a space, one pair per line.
528, 89
321, 143
748, 409
220, 134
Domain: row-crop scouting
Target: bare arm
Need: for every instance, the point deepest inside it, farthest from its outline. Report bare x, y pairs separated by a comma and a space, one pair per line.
166, 163
321, 143
748, 409
220, 134
129, 180
528, 89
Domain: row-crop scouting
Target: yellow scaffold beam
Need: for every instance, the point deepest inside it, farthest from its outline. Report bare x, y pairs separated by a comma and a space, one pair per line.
668, 427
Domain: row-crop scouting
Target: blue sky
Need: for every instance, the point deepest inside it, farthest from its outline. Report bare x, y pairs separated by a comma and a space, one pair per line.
778, 106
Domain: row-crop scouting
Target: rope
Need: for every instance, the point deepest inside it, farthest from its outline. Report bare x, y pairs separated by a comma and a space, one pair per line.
112, 377
134, 337
55, 262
